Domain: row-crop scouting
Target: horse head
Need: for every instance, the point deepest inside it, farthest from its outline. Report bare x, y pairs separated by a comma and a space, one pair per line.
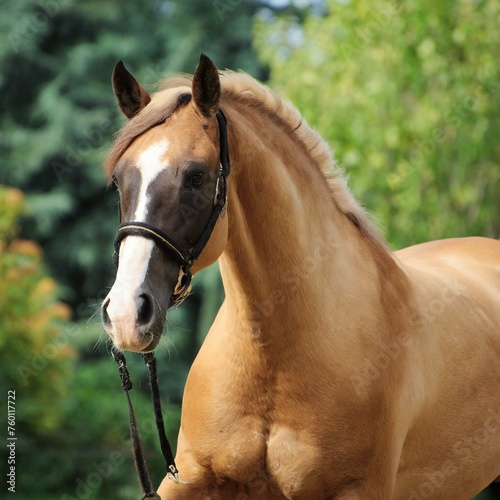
169, 164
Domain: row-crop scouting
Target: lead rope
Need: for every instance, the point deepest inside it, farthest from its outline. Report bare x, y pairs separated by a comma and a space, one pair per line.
137, 447
172, 472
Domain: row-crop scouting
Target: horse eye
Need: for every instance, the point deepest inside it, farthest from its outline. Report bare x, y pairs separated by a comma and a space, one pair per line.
196, 179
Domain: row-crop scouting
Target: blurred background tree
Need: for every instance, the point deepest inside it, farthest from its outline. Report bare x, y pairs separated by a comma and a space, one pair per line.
36, 359
406, 92
31, 326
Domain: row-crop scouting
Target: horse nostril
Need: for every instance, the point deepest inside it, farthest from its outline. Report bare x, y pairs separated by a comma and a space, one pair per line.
104, 314
145, 309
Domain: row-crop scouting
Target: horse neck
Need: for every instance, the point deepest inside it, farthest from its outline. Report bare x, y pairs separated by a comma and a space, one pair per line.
290, 249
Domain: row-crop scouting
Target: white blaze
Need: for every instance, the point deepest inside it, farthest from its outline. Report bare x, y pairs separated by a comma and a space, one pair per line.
135, 251
150, 164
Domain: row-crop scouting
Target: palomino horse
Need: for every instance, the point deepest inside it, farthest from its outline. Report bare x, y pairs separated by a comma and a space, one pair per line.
335, 368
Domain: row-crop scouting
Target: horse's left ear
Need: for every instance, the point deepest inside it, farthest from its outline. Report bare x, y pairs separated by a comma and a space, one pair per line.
131, 95
206, 86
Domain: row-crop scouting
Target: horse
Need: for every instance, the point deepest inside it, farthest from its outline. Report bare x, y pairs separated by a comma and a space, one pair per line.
335, 368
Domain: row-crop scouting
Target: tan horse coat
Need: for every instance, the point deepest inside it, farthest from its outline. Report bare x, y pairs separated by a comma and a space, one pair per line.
335, 369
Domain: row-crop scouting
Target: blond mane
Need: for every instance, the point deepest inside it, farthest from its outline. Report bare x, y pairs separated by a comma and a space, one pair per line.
239, 88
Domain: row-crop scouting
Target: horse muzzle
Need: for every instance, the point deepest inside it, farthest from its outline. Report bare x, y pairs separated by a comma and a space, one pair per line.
134, 312
134, 323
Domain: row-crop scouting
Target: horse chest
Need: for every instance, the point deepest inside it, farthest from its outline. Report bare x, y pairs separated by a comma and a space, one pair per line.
271, 443
270, 463
240, 449
294, 463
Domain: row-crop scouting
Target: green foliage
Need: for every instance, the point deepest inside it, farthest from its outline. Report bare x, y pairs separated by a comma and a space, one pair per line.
95, 441
408, 94
89, 455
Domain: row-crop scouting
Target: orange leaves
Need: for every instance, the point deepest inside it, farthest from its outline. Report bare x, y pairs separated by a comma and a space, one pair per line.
35, 353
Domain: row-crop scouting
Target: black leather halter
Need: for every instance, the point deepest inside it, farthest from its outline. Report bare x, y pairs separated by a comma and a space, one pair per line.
166, 242
186, 259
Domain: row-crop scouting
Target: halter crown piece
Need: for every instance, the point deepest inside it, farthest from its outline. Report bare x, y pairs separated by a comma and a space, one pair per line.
186, 259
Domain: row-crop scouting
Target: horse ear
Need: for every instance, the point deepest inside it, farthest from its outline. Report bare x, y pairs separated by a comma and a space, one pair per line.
131, 95
206, 86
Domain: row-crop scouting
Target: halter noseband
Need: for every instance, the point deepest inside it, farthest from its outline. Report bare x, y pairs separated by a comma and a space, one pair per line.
167, 243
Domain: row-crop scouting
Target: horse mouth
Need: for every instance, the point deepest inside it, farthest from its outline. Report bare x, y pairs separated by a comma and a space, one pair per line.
148, 343
138, 332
